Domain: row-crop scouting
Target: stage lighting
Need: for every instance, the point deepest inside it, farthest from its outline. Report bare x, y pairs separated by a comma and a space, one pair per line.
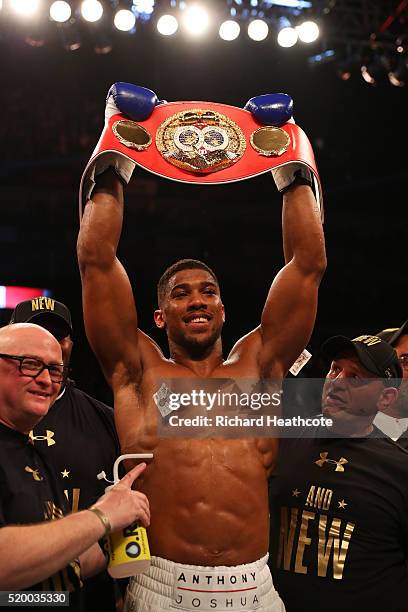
308, 31
25, 8
144, 7
401, 44
167, 25
60, 11
287, 37
91, 10
376, 68
398, 75
229, 30
366, 75
258, 30
102, 43
124, 20
344, 74
36, 37
69, 35
344, 70
321, 58
348, 63
293, 4
196, 20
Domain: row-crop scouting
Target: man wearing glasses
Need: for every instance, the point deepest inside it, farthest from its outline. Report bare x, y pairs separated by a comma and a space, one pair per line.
38, 552
76, 426
394, 422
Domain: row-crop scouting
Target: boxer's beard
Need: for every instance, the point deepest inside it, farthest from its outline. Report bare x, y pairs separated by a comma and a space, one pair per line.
197, 345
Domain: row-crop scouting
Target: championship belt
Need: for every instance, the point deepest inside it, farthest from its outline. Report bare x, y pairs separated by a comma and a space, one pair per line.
202, 142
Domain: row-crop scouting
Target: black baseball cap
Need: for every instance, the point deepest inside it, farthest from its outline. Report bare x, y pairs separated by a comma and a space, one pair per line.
46, 312
392, 334
376, 355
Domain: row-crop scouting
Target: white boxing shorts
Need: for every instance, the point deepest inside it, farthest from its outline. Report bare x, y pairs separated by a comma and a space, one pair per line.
175, 586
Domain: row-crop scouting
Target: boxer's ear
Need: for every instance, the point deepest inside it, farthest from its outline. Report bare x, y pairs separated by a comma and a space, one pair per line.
159, 319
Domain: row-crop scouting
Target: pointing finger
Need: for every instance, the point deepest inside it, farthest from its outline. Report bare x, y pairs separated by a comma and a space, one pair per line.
131, 476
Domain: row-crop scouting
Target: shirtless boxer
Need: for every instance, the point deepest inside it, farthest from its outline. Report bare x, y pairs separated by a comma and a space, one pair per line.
208, 498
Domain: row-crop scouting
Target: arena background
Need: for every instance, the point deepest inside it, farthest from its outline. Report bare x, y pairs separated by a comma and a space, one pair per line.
52, 103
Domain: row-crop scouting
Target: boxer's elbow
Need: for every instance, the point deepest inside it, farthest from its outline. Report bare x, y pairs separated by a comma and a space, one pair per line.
92, 252
320, 263
312, 261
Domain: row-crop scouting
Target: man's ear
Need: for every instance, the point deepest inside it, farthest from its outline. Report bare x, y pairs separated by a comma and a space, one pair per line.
223, 313
387, 398
159, 319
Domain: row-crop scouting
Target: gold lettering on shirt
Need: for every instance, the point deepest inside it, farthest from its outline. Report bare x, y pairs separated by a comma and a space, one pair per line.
319, 498
303, 541
52, 512
56, 581
286, 537
60, 581
75, 498
35, 473
340, 546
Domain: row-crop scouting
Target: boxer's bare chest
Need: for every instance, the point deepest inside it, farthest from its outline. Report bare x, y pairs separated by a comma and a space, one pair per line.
203, 491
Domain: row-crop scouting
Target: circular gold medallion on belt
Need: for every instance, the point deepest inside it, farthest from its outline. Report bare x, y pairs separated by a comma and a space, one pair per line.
200, 140
131, 134
270, 141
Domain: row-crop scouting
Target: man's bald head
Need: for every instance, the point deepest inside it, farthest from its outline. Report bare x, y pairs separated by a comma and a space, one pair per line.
25, 399
27, 336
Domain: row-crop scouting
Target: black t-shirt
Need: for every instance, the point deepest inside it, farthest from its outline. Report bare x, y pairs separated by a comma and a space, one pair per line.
403, 439
29, 493
339, 524
79, 439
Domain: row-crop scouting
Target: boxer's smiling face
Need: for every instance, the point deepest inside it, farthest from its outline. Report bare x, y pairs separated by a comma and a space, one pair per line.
192, 310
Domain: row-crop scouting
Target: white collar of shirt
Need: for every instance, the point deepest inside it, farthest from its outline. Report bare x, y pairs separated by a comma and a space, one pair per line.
63, 391
391, 426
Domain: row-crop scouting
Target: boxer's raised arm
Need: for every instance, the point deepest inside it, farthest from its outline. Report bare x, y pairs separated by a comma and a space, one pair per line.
290, 310
289, 314
109, 308
108, 302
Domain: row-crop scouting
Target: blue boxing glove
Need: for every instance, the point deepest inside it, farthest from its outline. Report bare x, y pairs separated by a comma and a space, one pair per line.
132, 100
271, 109
135, 102
277, 109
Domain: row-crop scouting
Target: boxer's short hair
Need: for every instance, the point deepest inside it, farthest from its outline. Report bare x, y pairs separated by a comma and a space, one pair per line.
182, 264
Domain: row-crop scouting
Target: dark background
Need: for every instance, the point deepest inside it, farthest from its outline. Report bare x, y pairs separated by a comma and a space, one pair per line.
52, 105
